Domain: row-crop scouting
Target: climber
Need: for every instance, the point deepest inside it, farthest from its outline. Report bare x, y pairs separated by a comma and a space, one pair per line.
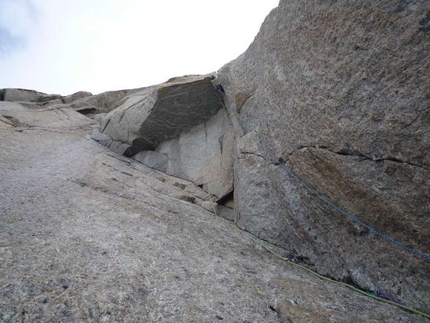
220, 89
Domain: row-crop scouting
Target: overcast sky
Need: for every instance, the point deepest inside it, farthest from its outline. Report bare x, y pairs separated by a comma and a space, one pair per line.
65, 46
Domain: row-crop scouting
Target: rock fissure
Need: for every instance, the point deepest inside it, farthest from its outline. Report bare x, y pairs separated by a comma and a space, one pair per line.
8, 123
357, 153
105, 126
246, 153
241, 101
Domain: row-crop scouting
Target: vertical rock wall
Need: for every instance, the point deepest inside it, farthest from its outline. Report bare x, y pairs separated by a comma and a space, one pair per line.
204, 155
339, 90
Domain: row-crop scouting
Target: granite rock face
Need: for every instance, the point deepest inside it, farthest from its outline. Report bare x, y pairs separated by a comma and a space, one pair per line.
76, 96
203, 155
101, 103
335, 91
179, 127
340, 92
17, 115
23, 95
162, 112
153, 159
82, 101
88, 235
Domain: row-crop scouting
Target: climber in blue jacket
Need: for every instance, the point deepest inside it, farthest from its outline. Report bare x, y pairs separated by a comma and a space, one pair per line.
220, 89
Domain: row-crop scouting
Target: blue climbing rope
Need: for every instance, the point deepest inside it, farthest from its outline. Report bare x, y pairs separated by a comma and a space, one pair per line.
348, 215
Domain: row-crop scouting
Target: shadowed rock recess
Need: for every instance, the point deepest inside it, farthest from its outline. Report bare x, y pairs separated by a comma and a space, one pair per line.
338, 92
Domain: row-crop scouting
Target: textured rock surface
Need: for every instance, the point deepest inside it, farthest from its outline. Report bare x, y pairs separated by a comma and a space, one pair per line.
337, 90
12, 106
23, 95
83, 102
52, 118
76, 96
162, 112
340, 91
184, 122
87, 235
103, 102
203, 155
110, 100
153, 159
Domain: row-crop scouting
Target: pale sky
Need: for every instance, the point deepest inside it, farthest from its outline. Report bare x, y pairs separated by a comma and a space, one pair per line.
65, 46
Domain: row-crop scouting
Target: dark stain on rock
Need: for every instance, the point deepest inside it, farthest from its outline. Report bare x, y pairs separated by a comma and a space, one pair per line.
138, 145
186, 198
221, 140
425, 23
357, 47
240, 100
273, 309
181, 186
402, 5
